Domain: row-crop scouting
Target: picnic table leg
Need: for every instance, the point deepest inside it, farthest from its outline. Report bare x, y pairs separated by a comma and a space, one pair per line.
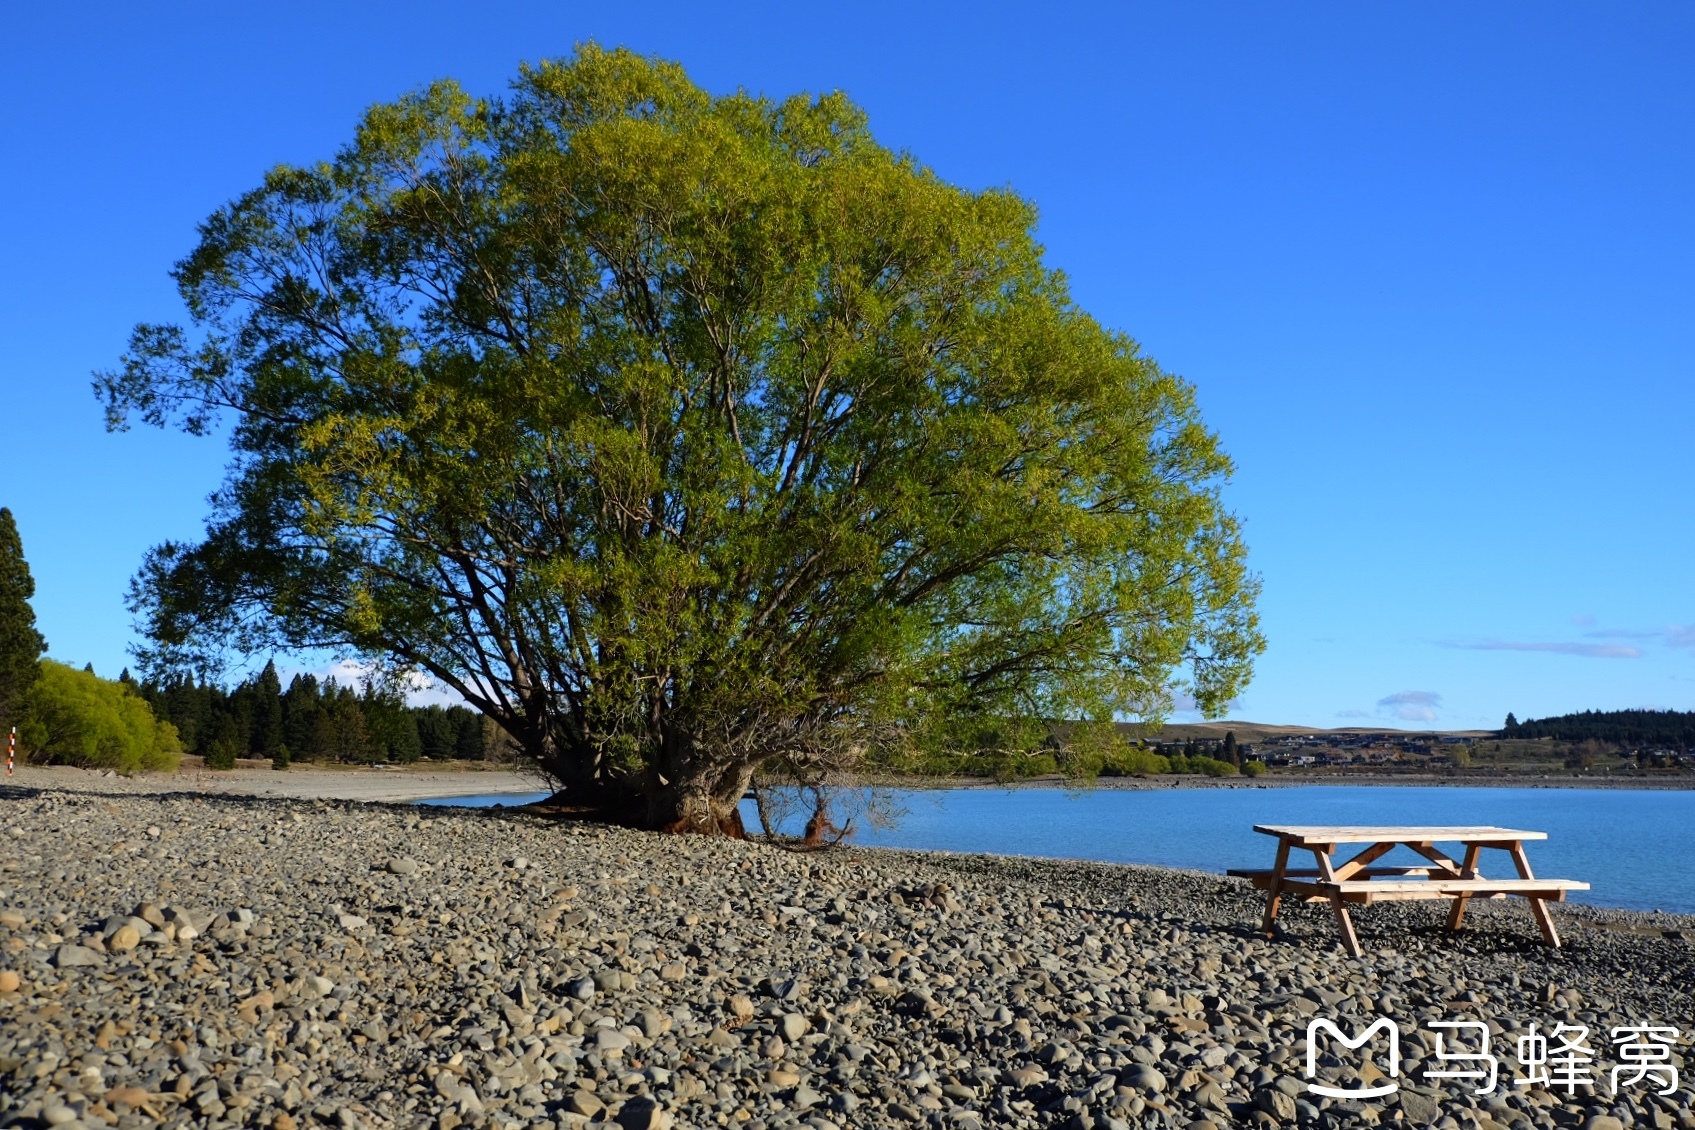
1274, 889
1468, 870
1345, 923
1538, 907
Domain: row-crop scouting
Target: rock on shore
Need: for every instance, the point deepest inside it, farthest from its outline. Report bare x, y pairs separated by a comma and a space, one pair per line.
223, 961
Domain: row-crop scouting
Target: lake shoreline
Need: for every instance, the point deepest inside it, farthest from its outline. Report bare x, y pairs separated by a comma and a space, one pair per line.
431, 781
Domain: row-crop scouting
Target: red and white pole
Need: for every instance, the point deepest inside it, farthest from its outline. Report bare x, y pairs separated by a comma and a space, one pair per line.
11, 750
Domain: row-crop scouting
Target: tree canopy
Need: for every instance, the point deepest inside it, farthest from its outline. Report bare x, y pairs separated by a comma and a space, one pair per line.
1630, 727
679, 433
20, 644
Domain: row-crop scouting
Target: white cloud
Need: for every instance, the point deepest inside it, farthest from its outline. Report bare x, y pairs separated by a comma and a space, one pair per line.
1411, 706
1586, 650
421, 690
1681, 635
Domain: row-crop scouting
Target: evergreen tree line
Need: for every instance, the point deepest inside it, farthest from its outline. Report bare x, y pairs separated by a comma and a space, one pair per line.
309, 721
1621, 727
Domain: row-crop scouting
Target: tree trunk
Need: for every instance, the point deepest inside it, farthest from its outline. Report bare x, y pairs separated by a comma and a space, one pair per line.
706, 802
693, 792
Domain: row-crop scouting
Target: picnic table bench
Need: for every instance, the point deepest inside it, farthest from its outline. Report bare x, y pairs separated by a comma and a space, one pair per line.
1358, 880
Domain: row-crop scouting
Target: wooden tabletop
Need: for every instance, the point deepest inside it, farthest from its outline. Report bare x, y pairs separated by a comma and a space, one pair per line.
1300, 835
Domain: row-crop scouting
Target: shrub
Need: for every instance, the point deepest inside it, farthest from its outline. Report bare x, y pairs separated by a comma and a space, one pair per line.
221, 754
1132, 762
279, 759
1252, 768
1211, 766
73, 717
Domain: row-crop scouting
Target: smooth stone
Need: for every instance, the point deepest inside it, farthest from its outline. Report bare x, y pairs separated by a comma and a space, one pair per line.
74, 957
1143, 1078
584, 1103
130, 1096
1275, 1103
1420, 1110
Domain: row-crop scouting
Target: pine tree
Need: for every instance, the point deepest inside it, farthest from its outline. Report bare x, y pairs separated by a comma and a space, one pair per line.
267, 712
224, 746
20, 644
1230, 752
469, 746
300, 712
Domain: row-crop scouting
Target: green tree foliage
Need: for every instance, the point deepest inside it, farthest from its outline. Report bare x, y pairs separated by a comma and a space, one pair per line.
20, 644
73, 717
447, 732
1621, 727
1230, 752
682, 434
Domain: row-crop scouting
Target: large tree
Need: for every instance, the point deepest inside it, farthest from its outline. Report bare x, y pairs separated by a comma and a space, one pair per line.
20, 644
681, 433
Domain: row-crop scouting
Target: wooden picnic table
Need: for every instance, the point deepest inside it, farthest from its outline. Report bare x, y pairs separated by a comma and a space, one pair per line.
1359, 881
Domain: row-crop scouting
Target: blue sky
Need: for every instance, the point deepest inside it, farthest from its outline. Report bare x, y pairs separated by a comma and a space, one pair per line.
1431, 268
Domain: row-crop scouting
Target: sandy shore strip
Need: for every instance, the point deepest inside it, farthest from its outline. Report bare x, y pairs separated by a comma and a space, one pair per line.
396, 785
223, 960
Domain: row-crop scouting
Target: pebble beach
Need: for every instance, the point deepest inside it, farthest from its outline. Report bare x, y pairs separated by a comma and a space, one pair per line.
170, 956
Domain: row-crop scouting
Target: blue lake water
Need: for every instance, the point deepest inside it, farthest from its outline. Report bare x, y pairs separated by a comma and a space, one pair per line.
1636, 847
486, 800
